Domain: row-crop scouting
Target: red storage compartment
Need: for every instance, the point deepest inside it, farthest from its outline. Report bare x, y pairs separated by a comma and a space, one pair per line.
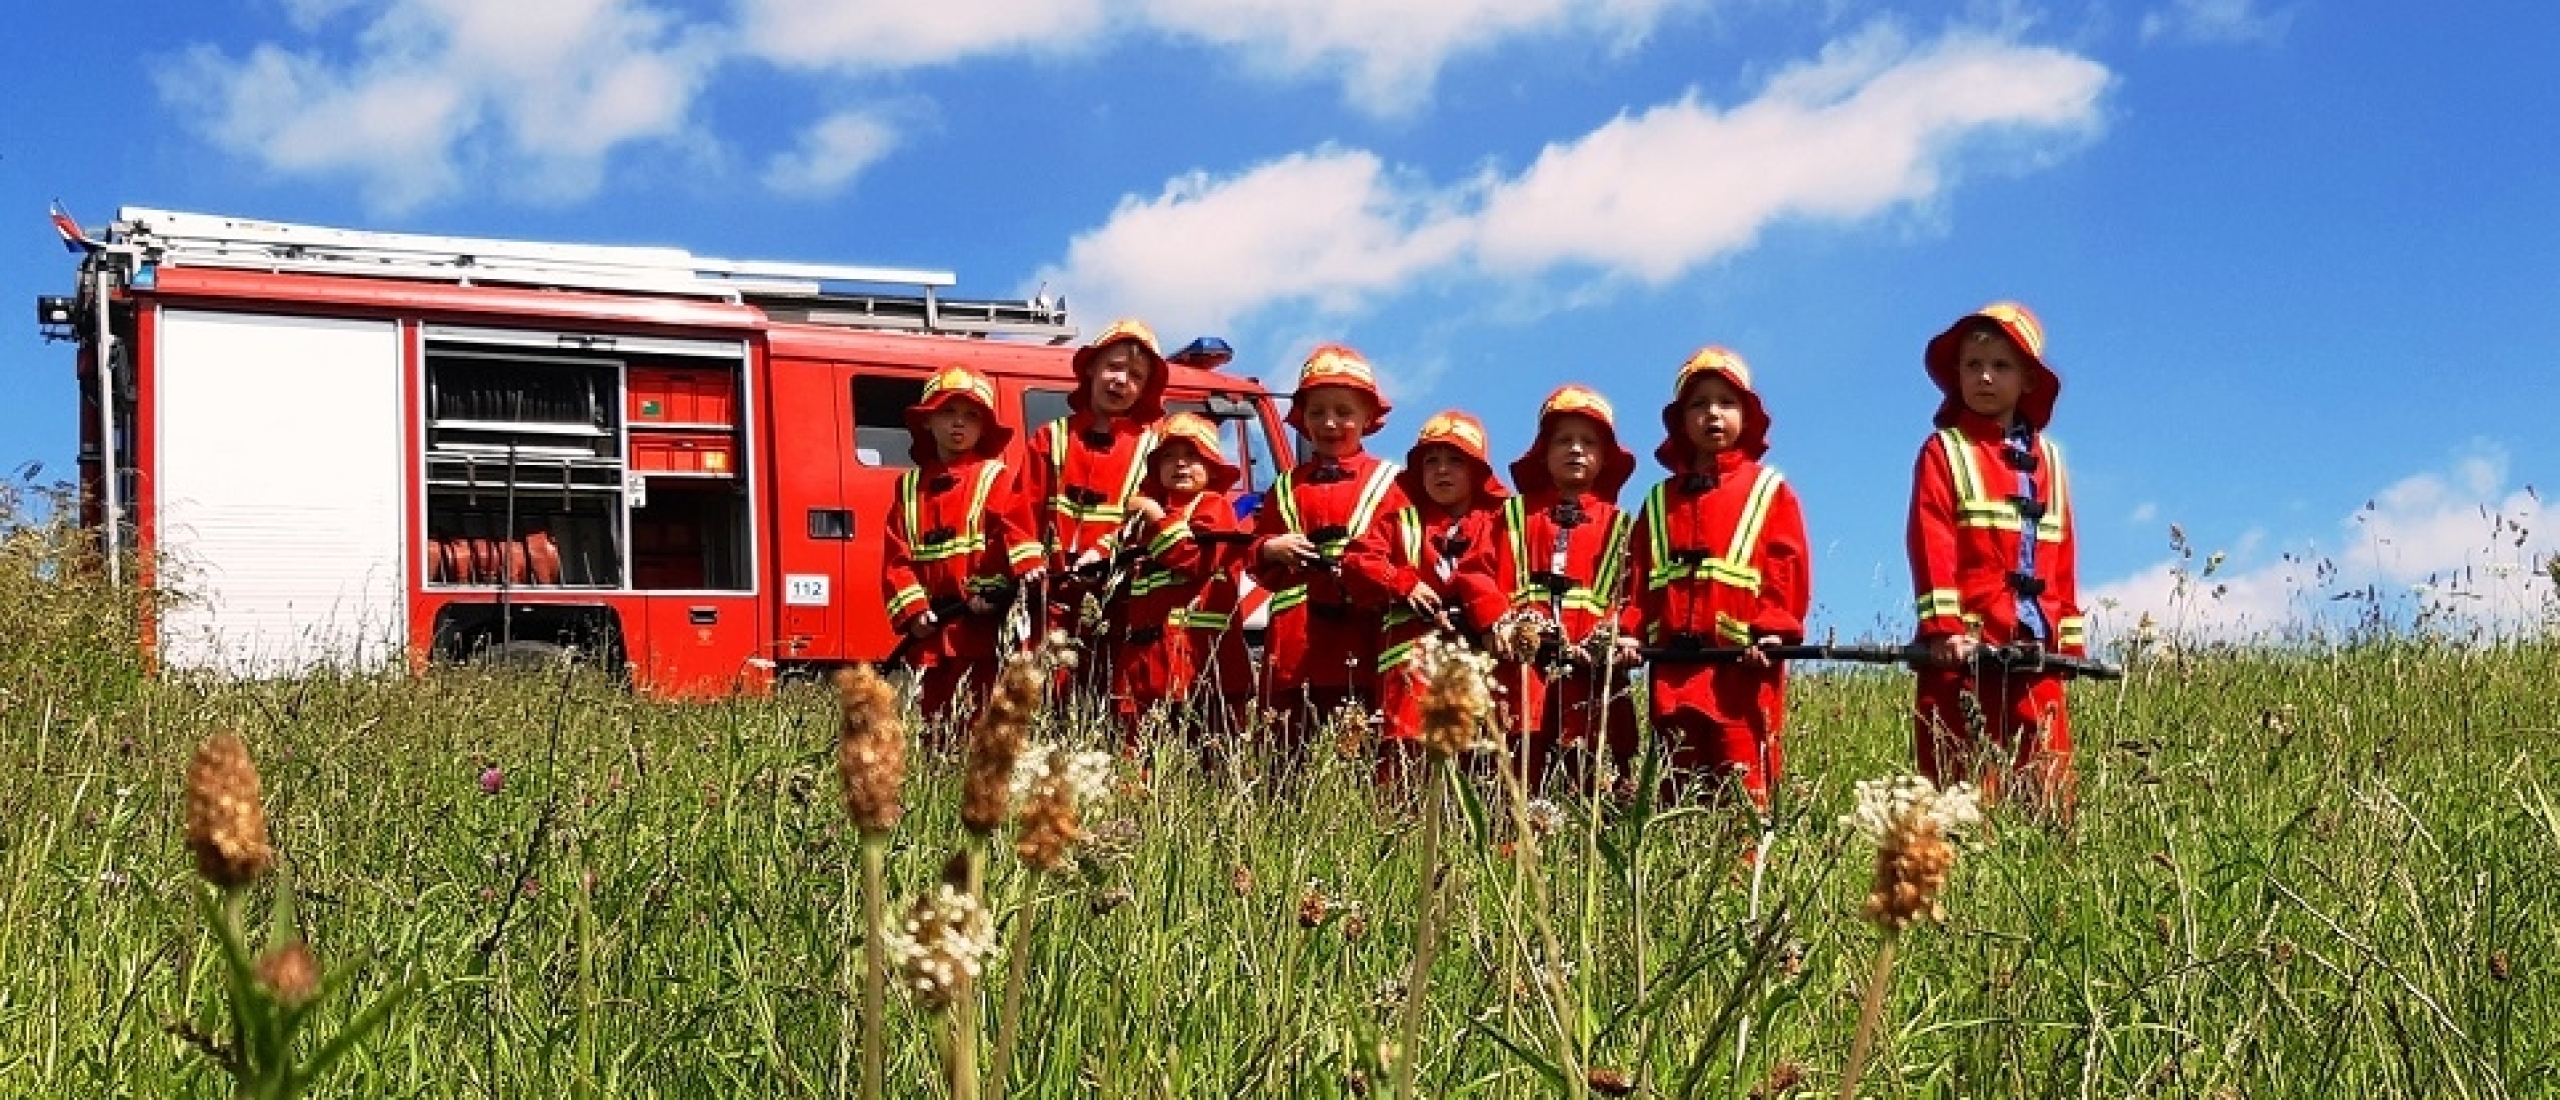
660, 395
710, 454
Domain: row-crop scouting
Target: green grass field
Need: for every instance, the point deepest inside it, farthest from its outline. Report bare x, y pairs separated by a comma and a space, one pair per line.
2293, 874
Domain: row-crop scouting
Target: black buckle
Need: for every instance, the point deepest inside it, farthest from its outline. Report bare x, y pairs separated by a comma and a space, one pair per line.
1693, 558
937, 536
2026, 584
1568, 514
1082, 497
1698, 483
1556, 584
1453, 544
2029, 508
942, 483
1097, 439
1326, 473
1331, 532
1141, 635
2024, 460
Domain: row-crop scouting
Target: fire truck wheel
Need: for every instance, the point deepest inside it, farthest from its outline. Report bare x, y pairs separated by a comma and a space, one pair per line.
525, 655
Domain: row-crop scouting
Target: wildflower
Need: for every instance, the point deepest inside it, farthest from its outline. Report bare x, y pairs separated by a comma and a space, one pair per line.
871, 749
1241, 880
1609, 1082
1458, 697
290, 973
995, 743
1108, 900
493, 780
1060, 783
226, 820
1314, 906
1544, 816
1783, 1078
1910, 819
939, 950
1355, 923
2501, 967
1517, 635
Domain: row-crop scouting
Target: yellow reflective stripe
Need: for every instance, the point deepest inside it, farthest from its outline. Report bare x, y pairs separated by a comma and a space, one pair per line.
2074, 631
1613, 560
1736, 562
1382, 480
1409, 532
1940, 602
1285, 489
2049, 529
908, 483
1024, 553
1166, 540
1287, 598
1515, 525
1396, 654
1732, 629
972, 536
1205, 620
905, 598
1153, 581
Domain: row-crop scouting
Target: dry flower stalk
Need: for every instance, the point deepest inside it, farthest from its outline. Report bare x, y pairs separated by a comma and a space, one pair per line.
1911, 822
226, 819
1457, 696
995, 744
871, 749
939, 950
291, 974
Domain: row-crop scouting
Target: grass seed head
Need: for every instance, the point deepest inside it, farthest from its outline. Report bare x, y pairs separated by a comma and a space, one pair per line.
1053, 785
1314, 906
1910, 820
226, 819
995, 744
1609, 1082
871, 749
1457, 696
291, 973
941, 947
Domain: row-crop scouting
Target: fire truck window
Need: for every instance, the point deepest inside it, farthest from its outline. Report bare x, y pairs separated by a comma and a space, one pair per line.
1042, 406
1246, 439
880, 406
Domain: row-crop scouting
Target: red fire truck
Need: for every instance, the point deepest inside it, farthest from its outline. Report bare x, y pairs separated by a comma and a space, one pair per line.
338, 449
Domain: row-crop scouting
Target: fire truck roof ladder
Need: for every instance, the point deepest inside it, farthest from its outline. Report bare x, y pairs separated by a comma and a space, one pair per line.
834, 294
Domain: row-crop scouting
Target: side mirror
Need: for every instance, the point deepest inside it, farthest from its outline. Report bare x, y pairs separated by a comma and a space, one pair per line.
1227, 406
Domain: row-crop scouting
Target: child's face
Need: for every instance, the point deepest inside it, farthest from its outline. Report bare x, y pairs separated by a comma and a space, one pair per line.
1336, 418
1573, 453
956, 428
1711, 412
1448, 478
1181, 468
1119, 376
1992, 375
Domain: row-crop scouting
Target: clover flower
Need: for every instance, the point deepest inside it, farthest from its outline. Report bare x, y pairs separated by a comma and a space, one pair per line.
942, 947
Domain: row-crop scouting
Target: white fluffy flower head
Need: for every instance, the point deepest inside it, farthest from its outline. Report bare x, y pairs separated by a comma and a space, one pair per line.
942, 946
1888, 805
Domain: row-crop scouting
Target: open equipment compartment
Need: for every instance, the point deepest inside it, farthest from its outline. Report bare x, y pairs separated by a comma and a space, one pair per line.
561, 462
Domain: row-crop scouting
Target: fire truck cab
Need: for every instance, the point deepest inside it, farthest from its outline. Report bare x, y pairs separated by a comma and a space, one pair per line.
336, 449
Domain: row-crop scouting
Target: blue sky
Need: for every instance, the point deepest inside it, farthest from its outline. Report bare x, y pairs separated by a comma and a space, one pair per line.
2300, 267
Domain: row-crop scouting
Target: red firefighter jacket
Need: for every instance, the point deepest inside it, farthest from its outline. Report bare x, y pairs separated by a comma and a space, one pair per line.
1217, 651
1321, 634
1151, 654
1459, 558
1721, 559
1972, 506
1081, 479
1564, 560
956, 529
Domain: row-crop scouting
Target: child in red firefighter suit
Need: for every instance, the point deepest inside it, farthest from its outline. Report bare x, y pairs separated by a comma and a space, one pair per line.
1993, 561
959, 540
1720, 562
1184, 510
1564, 560
1084, 468
1440, 561
1321, 651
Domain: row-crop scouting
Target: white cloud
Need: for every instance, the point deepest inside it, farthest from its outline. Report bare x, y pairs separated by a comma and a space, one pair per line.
2214, 21
2455, 549
831, 154
538, 94
1388, 55
893, 35
1873, 124
2145, 512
